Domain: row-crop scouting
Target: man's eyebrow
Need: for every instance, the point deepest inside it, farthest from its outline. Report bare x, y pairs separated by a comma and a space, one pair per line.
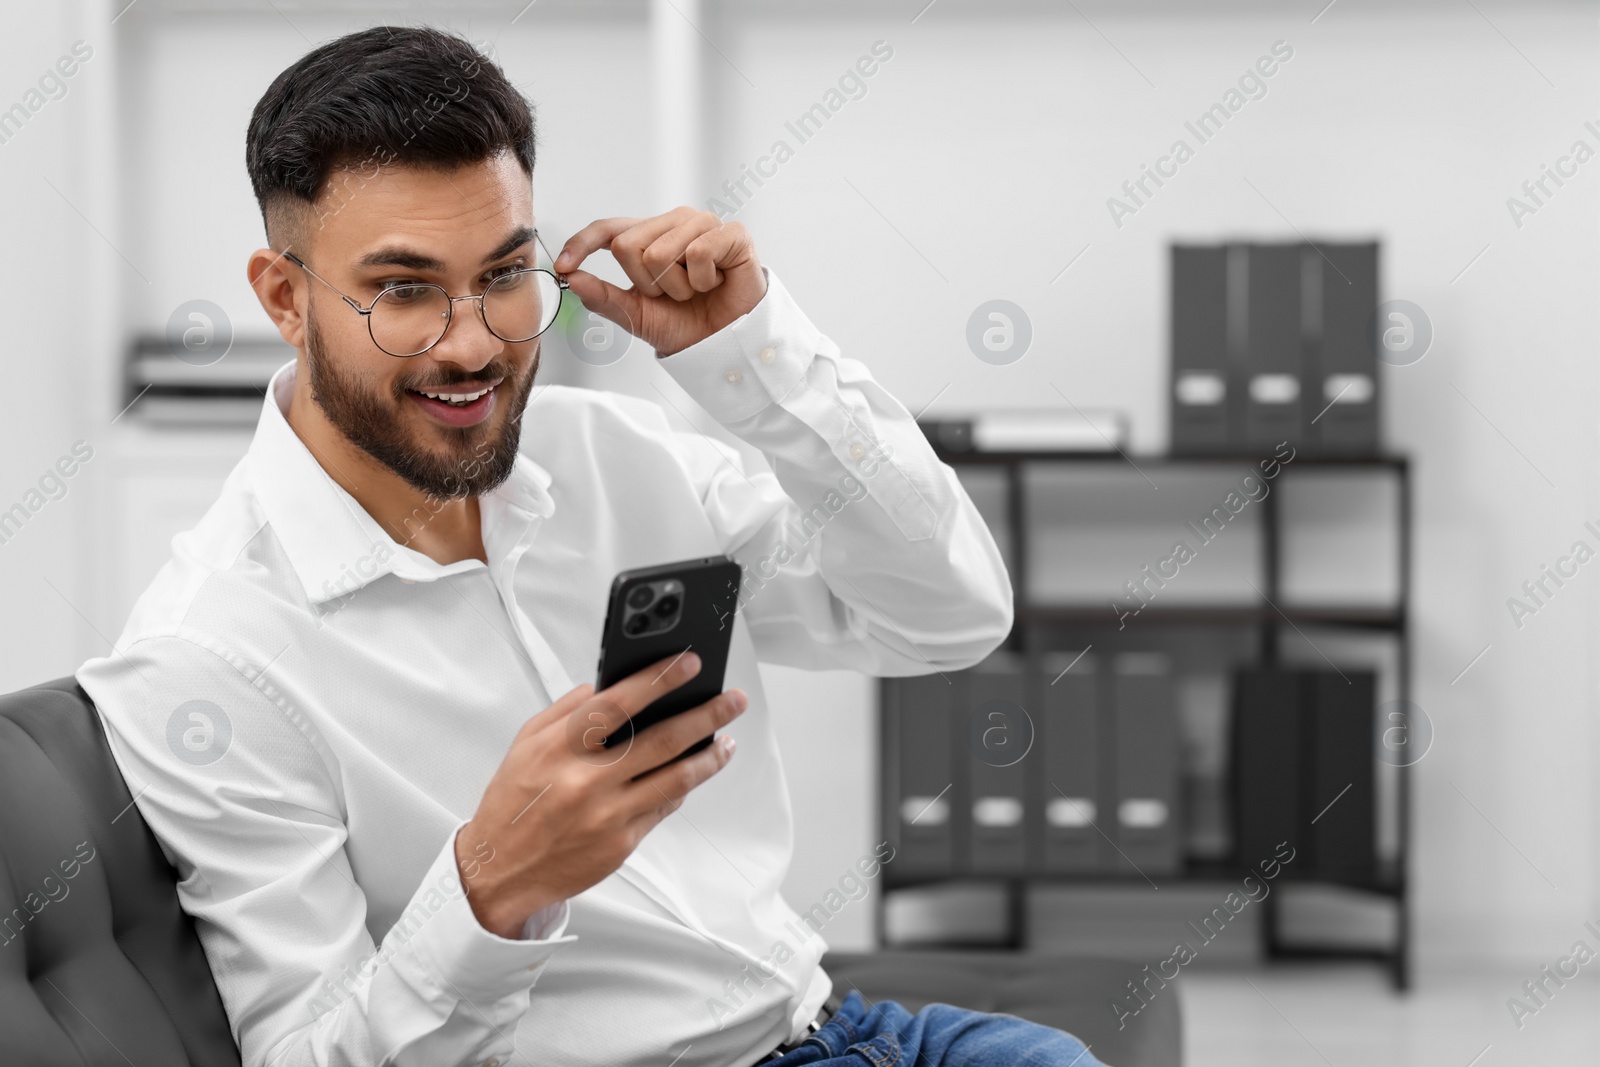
519, 237
397, 256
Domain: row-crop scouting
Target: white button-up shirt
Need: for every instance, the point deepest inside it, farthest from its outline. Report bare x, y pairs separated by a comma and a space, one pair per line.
308, 711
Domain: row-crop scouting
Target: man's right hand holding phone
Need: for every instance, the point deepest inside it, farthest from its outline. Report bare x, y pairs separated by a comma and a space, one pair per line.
563, 810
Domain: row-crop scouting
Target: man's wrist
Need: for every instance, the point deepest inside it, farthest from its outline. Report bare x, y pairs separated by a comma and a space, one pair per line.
494, 919
471, 942
472, 855
498, 911
766, 287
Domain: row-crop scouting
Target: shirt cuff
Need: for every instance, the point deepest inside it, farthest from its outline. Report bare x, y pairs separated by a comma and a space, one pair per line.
547, 923
752, 362
469, 960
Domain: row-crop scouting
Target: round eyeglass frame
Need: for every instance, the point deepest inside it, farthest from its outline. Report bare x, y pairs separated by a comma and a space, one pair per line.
366, 312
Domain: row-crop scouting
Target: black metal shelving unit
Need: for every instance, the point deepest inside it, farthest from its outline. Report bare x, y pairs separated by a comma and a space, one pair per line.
1268, 618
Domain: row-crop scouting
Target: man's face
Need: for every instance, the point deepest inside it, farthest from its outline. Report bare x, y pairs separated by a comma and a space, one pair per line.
457, 229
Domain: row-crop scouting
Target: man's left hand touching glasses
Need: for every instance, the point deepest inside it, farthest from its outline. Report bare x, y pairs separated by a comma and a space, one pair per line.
692, 275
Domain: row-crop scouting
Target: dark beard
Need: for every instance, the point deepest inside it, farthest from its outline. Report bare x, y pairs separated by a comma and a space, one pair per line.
476, 459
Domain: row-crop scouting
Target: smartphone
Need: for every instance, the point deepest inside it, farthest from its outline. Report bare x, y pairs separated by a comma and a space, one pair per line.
656, 613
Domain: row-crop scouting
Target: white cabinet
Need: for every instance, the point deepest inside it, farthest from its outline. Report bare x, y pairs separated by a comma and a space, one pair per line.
154, 483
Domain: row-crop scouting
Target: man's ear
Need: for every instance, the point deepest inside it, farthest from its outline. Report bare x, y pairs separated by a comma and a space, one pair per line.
270, 276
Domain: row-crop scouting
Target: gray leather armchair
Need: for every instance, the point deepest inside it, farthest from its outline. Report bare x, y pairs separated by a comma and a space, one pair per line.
100, 967
98, 963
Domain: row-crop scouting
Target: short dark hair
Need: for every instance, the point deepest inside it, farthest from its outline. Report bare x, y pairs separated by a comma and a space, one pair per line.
388, 94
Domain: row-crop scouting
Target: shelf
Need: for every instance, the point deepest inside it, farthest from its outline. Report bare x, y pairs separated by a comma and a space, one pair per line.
1301, 459
1391, 619
1270, 617
1385, 881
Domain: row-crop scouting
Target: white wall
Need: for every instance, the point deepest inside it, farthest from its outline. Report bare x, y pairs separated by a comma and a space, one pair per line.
56, 276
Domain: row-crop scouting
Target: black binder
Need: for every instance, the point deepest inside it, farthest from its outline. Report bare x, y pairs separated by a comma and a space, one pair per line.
1270, 370
1267, 717
1342, 808
1000, 739
919, 810
1068, 789
1147, 793
1304, 770
1199, 347
1347, 352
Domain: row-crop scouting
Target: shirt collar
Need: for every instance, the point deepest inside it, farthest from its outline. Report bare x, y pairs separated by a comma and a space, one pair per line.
334, 546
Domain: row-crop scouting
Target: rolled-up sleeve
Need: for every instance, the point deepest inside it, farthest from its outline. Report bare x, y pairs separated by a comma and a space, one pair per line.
860, 549
246, 804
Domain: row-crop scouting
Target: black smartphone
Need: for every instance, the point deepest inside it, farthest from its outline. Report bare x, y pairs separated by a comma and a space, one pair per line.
655, 613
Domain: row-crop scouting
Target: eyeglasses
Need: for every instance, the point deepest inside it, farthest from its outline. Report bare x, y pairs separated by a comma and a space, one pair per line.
408, 319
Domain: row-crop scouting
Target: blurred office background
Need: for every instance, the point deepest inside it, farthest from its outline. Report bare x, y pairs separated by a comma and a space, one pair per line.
975, 164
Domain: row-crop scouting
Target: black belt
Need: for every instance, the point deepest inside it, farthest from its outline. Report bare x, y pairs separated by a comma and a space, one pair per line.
824, 1013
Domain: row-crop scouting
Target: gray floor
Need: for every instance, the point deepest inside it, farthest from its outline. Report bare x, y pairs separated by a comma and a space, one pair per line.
1347, 1016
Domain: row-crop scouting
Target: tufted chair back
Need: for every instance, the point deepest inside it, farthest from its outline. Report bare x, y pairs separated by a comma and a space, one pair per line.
98, 963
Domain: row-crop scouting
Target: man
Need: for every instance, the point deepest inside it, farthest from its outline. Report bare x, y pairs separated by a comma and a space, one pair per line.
329, 701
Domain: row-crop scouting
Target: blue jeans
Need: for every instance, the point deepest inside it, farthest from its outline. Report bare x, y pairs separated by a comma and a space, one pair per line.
940, 1035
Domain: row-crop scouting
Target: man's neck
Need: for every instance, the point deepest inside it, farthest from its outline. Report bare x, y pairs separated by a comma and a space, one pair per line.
444, 530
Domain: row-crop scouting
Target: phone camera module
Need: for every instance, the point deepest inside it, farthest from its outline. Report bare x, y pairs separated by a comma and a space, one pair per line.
652, 607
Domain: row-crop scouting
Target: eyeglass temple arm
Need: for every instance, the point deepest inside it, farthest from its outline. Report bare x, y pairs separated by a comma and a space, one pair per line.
297, 261
561, 279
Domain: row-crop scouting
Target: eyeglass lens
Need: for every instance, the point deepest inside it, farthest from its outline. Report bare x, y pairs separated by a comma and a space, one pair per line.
517, 306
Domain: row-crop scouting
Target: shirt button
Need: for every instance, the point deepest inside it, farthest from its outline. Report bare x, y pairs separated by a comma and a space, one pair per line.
767, 354
734, 377
492, 1061
856, 451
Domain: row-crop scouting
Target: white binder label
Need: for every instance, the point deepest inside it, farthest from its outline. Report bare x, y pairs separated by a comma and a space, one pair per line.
1200, 390
925, 811
1274, 388
1070, 812
1347, 389
997, 811
1142, 813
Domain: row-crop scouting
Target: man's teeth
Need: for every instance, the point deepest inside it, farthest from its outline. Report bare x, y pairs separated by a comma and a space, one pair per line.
454, 398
